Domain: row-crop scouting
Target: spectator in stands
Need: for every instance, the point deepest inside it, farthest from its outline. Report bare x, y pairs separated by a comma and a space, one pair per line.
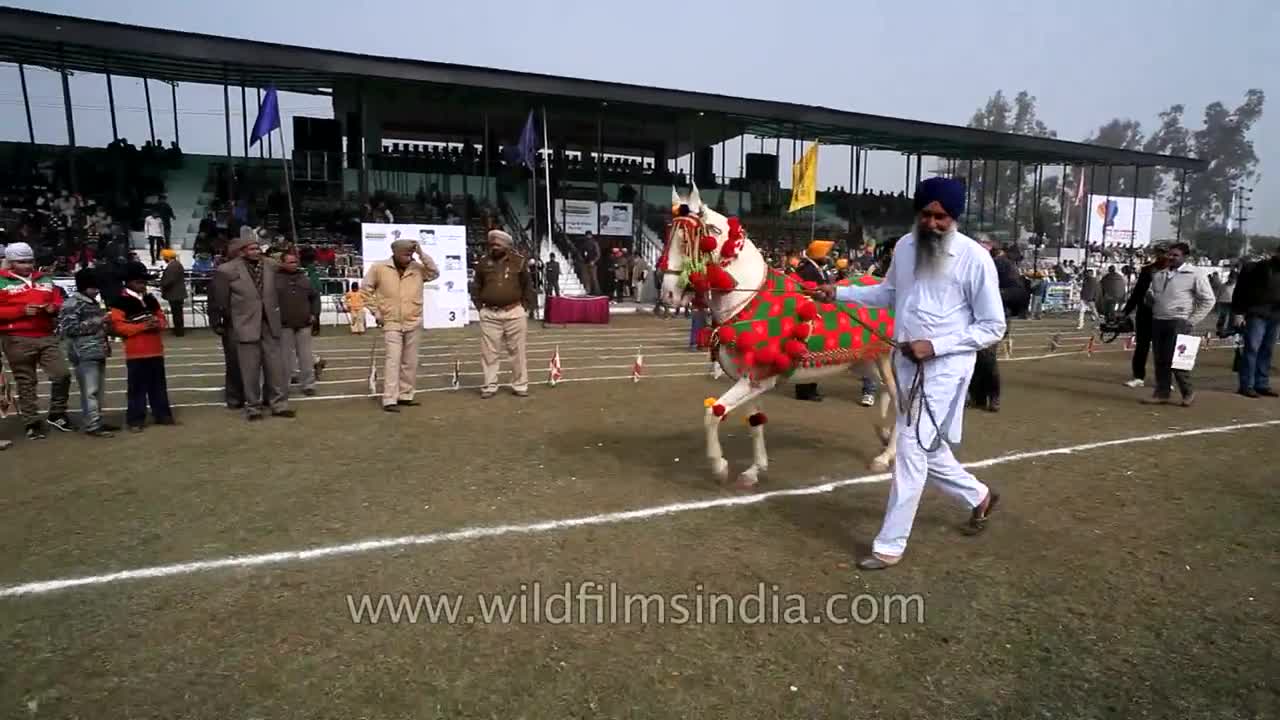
245, 291
165, 211
1140, 303
552, 275
173, 288
137, 317
1180, 298
503, 293
1256, 308
1113, 287
355, 309
392, 289
82, 326
29, 306
588, 258
1090, 292
299, 309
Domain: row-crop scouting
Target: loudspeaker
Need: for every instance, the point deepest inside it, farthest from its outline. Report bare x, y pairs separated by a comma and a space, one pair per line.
323, 134
706, 175
762, 167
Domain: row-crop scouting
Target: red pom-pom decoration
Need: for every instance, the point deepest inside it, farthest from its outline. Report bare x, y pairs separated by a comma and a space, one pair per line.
735, 229
748, 359
807, 311
800, 332
717, 410
748, 339
698, 281
727, 334
765, 356
794, 348
729, 250
757, 419
707, 244
719, 279
782, 363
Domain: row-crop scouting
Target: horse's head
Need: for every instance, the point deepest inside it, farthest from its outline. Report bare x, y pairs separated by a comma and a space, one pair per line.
699, 236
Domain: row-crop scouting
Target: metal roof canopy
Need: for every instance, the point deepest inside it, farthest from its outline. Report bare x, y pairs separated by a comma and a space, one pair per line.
58, 41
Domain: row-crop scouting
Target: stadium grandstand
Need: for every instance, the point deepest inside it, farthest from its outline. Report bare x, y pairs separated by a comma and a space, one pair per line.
429, 142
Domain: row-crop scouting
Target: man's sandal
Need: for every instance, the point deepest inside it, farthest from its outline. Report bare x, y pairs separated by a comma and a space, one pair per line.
978, 520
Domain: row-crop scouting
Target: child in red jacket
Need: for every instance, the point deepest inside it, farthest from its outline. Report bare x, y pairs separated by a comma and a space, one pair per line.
29, 305
136, 316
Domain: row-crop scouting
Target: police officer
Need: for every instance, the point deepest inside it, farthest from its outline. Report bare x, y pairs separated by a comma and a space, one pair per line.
504, 294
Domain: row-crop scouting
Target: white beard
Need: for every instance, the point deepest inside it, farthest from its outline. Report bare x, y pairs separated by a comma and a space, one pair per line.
931, 254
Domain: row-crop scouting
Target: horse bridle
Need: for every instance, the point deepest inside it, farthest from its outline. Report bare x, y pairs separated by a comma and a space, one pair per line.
691, 227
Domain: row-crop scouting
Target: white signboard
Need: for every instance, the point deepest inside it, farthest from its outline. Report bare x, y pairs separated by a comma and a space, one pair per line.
615, 219
576, 217
446, 301
1112, 220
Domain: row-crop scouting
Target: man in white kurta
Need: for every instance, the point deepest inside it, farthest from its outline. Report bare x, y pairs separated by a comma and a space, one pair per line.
943, 314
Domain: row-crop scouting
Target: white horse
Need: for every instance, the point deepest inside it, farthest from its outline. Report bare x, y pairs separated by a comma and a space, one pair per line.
741, 280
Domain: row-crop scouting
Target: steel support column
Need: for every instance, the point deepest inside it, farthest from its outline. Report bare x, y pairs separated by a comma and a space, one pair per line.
173, 94
151, 122
244, 118
26, 102
111, 107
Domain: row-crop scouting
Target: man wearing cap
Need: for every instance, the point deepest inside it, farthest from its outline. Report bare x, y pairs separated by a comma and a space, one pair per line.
503, 293
173, 288
29, 306
244, 290
392, 290
945, 295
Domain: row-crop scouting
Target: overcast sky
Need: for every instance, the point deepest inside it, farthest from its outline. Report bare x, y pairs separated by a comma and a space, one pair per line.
1087, 61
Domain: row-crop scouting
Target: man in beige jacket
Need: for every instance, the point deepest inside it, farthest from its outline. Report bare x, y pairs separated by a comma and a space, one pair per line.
503, 293
392, 291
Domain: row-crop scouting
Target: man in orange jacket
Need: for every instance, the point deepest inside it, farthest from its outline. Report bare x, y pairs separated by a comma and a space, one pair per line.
29, 305
136, 316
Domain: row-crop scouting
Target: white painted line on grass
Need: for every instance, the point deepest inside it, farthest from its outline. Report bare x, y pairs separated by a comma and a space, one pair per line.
476, 533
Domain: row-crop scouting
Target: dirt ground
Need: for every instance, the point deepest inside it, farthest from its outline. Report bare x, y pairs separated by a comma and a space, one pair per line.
1133, 580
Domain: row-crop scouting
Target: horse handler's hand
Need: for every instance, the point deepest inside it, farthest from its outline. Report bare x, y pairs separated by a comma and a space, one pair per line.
917, 350
823, 293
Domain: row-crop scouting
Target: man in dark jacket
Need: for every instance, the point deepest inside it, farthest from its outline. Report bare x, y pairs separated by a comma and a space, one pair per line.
1113, 284
299, 308
173, 288
1255, 309
1142, 321
813, 268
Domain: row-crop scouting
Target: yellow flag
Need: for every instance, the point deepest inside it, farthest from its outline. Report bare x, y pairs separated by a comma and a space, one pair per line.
804, 180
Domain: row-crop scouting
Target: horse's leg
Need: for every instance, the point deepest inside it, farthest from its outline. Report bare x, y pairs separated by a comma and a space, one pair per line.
718, 409
759, 456
887, 430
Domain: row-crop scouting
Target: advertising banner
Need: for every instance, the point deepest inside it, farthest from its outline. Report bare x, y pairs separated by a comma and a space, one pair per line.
1112, 220
446, 301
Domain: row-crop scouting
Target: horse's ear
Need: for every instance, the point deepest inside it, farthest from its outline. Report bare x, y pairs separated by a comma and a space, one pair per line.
695, 199
675, 197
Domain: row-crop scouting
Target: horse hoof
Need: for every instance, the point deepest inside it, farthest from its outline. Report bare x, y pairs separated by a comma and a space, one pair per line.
747, 480
880, 465
720, 469
884, 434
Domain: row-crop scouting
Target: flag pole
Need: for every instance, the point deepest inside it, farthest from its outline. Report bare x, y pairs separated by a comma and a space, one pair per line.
288, 186
546, 169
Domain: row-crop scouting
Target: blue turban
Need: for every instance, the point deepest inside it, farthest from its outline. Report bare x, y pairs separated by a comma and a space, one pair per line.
947, 192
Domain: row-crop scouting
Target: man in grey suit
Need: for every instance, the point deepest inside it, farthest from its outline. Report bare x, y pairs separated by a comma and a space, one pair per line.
245, 288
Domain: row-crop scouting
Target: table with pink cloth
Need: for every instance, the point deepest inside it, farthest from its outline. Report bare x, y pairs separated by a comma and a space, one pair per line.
585, 309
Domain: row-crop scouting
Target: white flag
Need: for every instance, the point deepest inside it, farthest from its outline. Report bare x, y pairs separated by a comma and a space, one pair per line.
555, 367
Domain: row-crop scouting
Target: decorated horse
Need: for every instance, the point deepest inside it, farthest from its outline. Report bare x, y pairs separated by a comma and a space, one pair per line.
766, 329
